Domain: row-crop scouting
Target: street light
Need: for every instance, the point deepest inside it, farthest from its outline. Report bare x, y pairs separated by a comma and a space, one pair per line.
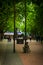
26, 46
14, 26
25, 20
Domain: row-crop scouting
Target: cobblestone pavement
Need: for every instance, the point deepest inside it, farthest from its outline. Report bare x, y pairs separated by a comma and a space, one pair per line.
7, 57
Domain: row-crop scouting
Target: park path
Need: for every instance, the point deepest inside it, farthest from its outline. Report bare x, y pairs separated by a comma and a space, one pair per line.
7, 57
35, 57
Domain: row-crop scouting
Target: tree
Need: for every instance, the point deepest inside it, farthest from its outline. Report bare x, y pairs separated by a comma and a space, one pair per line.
5, 12
34, 16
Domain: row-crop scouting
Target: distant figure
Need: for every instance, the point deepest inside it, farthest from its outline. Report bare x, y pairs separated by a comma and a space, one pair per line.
30, 37
9, 39
41, 39
37, 38
26, 48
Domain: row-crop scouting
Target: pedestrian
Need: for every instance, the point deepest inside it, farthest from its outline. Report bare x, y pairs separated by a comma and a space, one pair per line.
30, 37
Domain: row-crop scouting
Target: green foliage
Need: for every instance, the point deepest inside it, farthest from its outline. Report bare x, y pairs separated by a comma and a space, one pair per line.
5, 12
38, 2
39, 19
34, 16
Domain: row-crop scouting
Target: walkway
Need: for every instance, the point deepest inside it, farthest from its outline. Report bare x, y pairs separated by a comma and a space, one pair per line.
7, 57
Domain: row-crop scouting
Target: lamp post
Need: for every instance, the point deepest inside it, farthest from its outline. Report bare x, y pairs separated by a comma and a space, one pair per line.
14, 26
26, 46
25, 20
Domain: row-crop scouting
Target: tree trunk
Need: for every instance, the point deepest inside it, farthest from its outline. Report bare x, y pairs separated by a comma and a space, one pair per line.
1, 35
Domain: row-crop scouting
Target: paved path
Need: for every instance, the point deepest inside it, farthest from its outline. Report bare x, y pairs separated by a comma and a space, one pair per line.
35, 57
7, 57
12, 59
31, 59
